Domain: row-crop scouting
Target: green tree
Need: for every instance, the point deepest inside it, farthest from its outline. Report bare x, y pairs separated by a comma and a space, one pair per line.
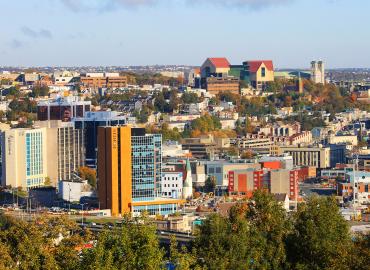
250, 237
360, 254
268, 230
213, 243
142, 116
181, 258
34, 245
134, 245
210, 184
160, 103
174, 100
189, 97
38, 90
206, 123
320, 237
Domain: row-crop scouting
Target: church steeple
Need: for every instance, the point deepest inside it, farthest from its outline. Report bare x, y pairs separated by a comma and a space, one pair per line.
187, 191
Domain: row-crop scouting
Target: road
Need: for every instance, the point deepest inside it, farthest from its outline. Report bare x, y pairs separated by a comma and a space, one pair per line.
163, 236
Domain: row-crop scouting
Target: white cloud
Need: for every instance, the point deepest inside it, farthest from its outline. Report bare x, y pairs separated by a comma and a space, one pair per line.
107, 5
42, 33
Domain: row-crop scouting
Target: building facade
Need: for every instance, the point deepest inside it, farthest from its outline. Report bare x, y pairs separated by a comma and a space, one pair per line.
66, 146
52, 151
259, 73
172, 184
216, 85
89, 125
62, 109
24, 157
275, 181
318, 72
99, 80
130, 171
318, 157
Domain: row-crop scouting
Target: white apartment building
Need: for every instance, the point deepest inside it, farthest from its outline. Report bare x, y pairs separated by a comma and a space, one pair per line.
172, 184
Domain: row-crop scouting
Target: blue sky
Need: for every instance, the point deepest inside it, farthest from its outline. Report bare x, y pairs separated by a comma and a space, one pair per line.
144, 32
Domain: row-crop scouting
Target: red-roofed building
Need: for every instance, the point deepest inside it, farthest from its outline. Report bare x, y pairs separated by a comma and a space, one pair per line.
215, 66
215, 76
259, 72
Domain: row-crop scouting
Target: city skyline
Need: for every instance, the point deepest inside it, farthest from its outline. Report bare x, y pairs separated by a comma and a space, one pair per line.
184, 32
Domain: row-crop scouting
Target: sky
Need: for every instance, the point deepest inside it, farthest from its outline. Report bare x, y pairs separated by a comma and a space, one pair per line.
184, 32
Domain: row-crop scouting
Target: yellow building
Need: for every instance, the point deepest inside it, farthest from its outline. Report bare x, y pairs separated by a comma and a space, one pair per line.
129, 172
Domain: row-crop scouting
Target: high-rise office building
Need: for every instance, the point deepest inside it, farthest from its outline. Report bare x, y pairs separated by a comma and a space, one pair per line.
66, 145
52, 150
130, 171
89, 125
24, 157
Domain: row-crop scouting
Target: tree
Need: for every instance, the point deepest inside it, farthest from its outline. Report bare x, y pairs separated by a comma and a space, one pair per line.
134, 245
206, 123
88, 174
359, 258
248, 154
183, 259
38, 90
213, 242
47, 181
320, 237
160, 103
229, 97
174, 100
169, 134
233, 151
210, 184
142, 116
189, 97
250, 237
34, 245
268, 230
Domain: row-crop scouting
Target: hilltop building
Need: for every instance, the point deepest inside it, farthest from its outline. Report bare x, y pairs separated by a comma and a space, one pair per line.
215, 76
318, 72
259, 73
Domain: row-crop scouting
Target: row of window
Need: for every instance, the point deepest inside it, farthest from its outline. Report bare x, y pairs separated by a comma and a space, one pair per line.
35, 182
168, 178
169, 185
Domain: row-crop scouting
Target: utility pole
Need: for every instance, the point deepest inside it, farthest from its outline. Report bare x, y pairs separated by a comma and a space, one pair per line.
355, 195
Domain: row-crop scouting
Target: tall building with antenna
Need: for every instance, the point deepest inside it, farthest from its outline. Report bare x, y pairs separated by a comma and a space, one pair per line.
318, 72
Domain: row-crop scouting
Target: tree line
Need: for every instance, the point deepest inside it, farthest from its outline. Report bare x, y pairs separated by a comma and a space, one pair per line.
254, 234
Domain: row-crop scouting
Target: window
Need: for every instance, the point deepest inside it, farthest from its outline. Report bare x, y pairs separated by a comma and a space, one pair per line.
366, 188
263, 72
